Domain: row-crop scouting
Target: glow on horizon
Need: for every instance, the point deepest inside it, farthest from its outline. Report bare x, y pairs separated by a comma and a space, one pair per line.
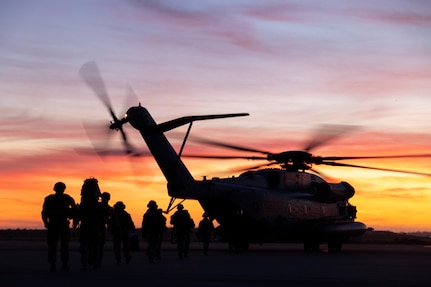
292, 66
137, 180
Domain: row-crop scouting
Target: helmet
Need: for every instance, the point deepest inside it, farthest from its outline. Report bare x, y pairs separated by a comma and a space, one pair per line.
180, 206
59, 186
119, 205
106, 195
152, 203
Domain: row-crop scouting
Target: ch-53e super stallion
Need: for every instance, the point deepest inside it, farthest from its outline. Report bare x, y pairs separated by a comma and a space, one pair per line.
287, 203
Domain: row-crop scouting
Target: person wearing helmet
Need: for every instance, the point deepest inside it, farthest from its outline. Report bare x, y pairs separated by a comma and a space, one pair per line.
205, 231
153, 226
165, 228
121, 230
183, 224
89, 232
105, 214
57, 210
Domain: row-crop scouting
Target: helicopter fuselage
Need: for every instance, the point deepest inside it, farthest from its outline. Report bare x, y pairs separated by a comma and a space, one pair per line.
291, 202
275, 204
283, 204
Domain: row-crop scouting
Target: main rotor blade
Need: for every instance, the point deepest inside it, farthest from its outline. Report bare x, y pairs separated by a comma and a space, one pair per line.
321, 174
328, 133
225, 145
245, 168
90, 73
261, 165
375, 157
375, 168
226, 157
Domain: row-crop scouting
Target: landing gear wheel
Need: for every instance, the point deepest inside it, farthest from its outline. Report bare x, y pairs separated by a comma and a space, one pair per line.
334, 246
311, 246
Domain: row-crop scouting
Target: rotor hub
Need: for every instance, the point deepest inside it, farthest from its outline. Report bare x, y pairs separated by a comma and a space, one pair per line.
293, 160
118, 124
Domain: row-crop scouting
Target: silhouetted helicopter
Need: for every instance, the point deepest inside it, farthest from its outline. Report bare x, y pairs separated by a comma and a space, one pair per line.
261, 204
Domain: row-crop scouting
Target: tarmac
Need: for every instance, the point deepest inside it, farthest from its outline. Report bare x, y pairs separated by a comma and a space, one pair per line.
24, 263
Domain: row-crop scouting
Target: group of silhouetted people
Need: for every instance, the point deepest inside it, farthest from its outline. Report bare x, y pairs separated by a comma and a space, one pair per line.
94, 217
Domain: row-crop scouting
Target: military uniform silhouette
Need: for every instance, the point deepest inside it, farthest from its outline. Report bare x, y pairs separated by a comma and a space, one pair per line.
105, 214
153, 226
183, 224
205, 232
122, 227
89, 230
57, 209
165, 228
239, 233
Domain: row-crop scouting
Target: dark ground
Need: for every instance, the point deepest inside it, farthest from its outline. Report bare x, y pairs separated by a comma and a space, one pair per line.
23, 263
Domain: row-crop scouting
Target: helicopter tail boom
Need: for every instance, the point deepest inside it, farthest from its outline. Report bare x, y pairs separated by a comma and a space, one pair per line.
181, 183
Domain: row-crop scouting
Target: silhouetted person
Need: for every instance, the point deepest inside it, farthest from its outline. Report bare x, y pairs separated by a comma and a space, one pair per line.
183, 224
205, 232
159, 244
57, 209
153, 226
122, 227
105, 214
90, 226
239, 232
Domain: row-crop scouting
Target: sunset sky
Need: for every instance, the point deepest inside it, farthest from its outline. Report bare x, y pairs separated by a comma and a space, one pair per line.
293, 65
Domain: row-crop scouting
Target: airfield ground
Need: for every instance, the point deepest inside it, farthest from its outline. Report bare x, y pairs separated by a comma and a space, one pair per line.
23, 263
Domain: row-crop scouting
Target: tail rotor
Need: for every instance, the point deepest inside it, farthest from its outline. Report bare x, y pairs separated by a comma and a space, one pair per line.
90, 74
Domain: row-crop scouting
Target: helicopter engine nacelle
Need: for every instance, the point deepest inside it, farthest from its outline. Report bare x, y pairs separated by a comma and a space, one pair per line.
341, 191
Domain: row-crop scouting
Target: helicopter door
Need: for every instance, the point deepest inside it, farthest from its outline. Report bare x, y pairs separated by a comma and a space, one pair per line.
273, 179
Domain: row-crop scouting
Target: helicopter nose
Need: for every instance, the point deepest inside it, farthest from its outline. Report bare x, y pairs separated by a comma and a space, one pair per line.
349, 191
